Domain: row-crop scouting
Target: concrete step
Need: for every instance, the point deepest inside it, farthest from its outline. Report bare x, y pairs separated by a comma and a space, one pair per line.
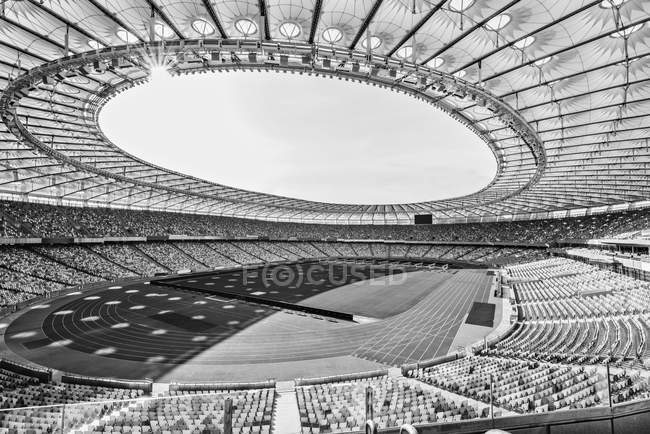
450, 396
160, 389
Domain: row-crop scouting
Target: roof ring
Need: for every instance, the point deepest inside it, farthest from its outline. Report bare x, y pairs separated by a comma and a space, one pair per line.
246, 26
290, 30
608, 4
375, 43
461, 5
68, 89
627, 32
628, 62
436, 62
78, 79
126, 36
332, 35
405, 52
203, 27
498, 22
543, 61
60, 98
526, 42
94, 44
163, 30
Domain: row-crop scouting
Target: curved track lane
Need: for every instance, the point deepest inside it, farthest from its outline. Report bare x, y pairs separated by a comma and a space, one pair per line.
144, 329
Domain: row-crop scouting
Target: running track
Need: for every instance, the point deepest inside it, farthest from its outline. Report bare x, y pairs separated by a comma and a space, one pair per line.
125, 325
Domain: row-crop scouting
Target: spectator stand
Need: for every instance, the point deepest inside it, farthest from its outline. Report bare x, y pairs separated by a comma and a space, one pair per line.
633, 265
414, 371
7, 312
89, 404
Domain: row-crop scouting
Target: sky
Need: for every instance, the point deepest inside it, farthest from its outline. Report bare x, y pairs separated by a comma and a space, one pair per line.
299, 136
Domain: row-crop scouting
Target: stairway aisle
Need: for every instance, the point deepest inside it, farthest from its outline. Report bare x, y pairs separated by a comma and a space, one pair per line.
451, 396
286, 417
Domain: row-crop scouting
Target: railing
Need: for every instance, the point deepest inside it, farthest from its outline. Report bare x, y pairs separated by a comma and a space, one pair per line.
638, 269
216, 412
222, 411
288, 239
628, 418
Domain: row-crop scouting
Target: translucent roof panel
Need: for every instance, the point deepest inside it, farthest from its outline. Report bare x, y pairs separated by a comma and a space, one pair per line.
559, 91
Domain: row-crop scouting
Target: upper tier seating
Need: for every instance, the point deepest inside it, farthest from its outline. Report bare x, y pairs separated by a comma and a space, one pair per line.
26, 272
31, 219
170, 256
129, 258
85, 260
608, 255
574, 312
206, 254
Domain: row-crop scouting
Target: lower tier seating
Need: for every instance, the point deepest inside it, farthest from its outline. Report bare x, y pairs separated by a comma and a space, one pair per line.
252, 412
340, 406
527, 386
29, 405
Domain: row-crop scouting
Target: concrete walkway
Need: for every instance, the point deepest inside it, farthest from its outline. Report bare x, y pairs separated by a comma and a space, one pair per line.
286, 417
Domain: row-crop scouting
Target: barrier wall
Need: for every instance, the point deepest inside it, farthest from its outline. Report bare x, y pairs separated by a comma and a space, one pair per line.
107, 382
185, 387
44, 375
11, 241
340, 378
260, 300
99, 240
628, 418
431, 261
636, 269
178, 282
428, 363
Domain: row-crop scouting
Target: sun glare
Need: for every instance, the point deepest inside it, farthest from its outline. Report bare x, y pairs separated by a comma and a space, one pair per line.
159, 73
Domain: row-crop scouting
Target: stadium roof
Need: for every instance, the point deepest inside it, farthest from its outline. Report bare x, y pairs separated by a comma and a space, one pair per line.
559, 90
